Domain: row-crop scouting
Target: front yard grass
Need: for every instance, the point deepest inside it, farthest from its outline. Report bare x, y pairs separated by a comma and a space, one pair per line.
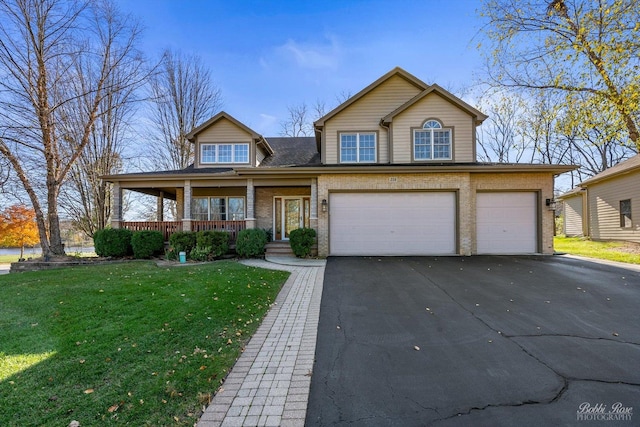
613, 251
128, 343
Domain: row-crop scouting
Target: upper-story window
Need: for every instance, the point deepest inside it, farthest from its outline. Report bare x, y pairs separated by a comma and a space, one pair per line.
432, 142
224, 153
358, 147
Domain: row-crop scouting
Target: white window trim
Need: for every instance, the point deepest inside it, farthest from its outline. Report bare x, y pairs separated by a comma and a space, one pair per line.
357, 134
226, 206
233, 153
432, 130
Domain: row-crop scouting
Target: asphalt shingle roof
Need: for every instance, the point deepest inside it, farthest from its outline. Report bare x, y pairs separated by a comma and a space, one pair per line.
292, 151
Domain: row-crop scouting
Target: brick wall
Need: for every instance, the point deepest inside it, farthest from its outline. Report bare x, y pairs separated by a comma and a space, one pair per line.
464, 184
264, 202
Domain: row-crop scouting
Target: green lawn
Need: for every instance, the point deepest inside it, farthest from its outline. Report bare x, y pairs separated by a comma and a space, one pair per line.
6, 259
127, 343
612, 251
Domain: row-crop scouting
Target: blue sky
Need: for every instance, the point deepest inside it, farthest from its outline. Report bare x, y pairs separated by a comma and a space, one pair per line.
266, 55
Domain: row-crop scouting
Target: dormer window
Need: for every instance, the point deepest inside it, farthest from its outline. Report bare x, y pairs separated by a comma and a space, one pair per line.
432, 142
224, 153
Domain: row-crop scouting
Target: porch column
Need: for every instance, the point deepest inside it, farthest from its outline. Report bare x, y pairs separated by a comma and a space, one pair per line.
251, 204
116, 205
160, 208
186, 219
314, 200
313, 214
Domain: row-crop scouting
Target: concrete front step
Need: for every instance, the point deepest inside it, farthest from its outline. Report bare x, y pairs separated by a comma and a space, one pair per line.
283, 248
278, 249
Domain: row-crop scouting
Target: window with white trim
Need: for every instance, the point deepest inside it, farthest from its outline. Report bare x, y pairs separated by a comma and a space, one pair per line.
432, 142
358, 147
224, 153
217, 208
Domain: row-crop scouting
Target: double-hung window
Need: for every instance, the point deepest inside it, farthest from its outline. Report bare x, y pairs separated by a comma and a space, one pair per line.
218, 208
432, 142
224, 153
625, 213
358, 147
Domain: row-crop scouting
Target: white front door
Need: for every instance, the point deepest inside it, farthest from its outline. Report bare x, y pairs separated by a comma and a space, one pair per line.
290, 213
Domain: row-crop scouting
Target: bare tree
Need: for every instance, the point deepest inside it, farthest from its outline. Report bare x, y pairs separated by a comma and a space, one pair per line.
298, 121
569, 47
87, 197
54, 53
183, 96
501, 138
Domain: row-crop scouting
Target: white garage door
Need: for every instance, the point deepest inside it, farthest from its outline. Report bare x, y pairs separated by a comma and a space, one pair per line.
506, 223
392, 223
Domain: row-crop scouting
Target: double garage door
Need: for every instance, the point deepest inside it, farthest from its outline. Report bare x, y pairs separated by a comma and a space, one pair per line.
424, 223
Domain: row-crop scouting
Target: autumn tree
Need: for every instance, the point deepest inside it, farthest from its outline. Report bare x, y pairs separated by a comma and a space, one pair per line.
569, 47
57, 57
183, 96
18, 228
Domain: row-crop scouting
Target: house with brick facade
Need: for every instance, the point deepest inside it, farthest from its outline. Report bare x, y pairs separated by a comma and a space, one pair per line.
391, 171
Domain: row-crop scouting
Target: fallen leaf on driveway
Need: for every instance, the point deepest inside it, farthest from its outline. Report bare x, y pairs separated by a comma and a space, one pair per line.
415, 347
615, 334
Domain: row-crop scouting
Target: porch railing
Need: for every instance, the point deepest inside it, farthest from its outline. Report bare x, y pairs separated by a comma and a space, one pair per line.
167, 228
231, 227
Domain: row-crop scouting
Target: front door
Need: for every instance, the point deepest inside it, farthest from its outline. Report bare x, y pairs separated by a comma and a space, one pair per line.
290, 214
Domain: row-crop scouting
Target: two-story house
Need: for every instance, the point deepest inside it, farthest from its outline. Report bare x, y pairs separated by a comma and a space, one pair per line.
391, 171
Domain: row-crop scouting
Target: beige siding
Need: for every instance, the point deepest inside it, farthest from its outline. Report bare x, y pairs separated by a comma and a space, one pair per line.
260, 155
604, 208
572, 223
433, 107
221, 131
365, 115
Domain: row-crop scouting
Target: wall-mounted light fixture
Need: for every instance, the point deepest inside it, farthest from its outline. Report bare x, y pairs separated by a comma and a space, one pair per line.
551, 204
324, 205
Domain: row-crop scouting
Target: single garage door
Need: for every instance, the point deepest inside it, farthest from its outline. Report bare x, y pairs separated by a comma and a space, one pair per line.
416, 223
506, 223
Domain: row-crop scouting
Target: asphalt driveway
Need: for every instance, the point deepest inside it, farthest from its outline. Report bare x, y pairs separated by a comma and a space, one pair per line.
484, 340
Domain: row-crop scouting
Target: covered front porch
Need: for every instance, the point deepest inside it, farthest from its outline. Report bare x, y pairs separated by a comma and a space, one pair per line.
278, 205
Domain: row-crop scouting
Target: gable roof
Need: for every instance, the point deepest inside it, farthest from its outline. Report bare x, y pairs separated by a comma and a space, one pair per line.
621, 168
397, 71
434, 88
224, 115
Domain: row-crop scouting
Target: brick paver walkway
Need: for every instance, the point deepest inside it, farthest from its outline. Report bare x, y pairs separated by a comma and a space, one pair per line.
269, 384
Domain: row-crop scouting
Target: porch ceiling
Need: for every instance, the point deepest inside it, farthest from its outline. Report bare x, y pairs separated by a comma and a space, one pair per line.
168, 192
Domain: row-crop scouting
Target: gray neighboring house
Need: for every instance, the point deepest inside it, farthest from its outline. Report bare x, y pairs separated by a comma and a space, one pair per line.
606, 206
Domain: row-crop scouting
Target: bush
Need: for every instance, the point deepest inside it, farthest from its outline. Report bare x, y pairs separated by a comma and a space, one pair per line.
201, 253
216, 241
145, 244
251, 242
112, 242
301, 241
182, 241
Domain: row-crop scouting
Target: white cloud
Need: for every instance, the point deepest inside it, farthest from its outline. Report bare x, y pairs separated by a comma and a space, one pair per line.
312, 55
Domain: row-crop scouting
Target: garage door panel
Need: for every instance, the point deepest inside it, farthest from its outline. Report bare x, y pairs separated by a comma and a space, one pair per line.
506, 223
392, 223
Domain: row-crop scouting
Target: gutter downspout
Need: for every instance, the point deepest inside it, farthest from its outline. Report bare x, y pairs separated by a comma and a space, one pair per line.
389, 142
